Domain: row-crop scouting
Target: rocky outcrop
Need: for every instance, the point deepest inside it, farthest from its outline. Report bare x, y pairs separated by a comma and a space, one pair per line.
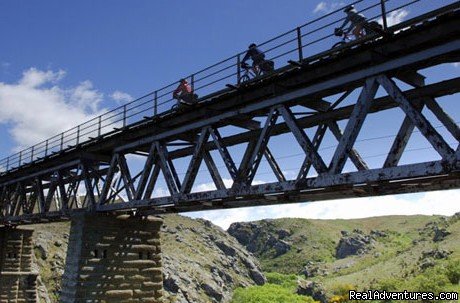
259, 240
440, 234
204, 264
311, 289
353, 244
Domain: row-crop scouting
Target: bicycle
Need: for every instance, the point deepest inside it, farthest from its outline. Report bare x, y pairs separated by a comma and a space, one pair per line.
369, 28
251, 72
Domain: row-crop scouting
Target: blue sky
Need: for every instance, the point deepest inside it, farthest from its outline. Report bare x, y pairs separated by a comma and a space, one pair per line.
62, 62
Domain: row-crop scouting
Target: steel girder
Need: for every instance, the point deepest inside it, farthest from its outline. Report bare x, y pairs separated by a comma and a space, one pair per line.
93, 185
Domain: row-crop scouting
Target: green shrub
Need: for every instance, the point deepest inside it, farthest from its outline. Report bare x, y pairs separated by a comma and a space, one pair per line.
269, 293
453, 271
287, 281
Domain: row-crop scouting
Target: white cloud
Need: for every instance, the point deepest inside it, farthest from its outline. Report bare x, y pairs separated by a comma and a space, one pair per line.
36, 108
440, 203
395, 17
121, 97
324, 7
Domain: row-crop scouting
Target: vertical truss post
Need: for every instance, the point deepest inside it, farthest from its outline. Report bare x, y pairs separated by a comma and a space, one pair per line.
32, 153
353, 126
62, 142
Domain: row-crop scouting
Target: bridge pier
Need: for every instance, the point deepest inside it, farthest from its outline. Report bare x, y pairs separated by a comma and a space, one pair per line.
17, 281
113, 259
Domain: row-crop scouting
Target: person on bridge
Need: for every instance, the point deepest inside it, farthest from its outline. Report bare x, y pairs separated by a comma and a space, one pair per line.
184, 93
357, 22
256, 55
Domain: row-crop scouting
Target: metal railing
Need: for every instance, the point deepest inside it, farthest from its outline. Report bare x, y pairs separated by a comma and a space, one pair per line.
313, 37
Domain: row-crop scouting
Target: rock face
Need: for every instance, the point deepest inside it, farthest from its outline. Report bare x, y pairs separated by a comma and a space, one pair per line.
201, 262
258, 240
311, 289
353, 244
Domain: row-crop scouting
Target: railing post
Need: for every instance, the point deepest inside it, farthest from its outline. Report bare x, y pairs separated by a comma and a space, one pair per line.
99, 126
238, 70
62, 141
78, 135
124, 116
20, 158
299, 43
46, 148
384, 14
155, 104
32, 154
192, 80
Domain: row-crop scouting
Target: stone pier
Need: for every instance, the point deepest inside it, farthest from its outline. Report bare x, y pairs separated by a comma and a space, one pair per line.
17, 281
113, 259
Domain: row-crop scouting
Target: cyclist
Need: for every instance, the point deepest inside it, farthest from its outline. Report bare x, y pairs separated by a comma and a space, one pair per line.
357, 22
256, 55
184, 93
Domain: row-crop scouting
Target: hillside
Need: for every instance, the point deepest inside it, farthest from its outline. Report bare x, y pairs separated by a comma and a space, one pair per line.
202, 263
362, 253
319, 258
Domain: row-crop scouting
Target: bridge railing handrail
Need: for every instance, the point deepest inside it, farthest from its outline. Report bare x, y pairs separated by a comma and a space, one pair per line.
151, 103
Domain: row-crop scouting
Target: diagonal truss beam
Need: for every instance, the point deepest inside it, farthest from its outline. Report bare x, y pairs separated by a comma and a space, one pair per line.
303, 140
424, 126
354, 125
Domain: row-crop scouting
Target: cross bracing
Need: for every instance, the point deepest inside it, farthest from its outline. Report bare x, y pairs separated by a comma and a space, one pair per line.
358, 82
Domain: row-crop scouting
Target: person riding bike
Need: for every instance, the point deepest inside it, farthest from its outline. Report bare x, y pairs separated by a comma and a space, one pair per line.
256, 55
184, 93
357, 22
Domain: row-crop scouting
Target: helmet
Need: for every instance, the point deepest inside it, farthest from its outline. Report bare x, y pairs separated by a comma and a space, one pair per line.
252, 45
349, 8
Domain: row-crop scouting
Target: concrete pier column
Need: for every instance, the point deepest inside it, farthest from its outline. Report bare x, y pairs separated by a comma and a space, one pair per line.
17, 281
113, 259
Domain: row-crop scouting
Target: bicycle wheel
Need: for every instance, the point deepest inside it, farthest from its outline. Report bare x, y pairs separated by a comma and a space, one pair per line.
244, 78
340, 43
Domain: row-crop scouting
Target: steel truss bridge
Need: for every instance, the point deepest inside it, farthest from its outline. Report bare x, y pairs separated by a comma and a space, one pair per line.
48, 183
